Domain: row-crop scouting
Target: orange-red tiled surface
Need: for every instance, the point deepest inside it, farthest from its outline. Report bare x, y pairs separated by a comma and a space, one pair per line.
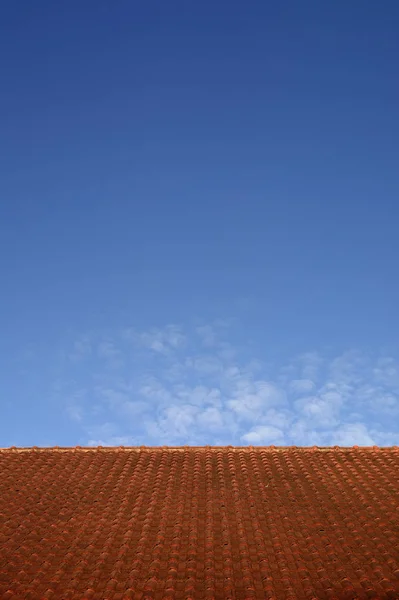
179, 523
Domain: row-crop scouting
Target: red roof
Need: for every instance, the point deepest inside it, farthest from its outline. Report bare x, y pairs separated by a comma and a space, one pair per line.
199, 523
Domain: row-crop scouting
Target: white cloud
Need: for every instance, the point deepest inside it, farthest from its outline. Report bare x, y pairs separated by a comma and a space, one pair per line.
378, 399
386, 372
264, 435
163, 340
301, 433
107, 349
301, 386
311, 363
199, 395
110, 354
114, 441
74, 407
322, 410
281, 418
113, 397
351, 434
206, 365
211, 418
178, 419
155, 391
173, 386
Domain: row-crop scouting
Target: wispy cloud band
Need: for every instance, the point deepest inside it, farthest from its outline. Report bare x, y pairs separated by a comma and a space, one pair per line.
178, 386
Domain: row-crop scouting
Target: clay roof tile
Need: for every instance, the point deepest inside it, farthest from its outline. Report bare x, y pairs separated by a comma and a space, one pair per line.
199, 522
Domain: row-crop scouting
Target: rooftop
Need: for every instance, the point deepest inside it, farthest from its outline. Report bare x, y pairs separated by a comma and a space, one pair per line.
197, 523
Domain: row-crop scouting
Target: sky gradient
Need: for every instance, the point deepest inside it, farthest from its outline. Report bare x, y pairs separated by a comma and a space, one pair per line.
199, 212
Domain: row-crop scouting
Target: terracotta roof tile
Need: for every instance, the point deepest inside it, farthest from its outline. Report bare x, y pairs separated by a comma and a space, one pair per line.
158, 523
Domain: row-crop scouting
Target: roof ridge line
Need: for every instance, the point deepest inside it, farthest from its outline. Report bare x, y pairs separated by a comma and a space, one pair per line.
186, 448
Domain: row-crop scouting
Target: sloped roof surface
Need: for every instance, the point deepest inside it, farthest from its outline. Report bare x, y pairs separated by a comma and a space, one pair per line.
181, 523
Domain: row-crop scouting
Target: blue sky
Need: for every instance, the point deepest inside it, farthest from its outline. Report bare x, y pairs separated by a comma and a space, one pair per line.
198, 223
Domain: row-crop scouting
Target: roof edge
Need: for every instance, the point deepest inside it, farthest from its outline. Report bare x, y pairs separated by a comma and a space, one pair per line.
197, 448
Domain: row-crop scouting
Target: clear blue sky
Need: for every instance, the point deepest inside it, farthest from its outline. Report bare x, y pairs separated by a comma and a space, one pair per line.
174, 168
